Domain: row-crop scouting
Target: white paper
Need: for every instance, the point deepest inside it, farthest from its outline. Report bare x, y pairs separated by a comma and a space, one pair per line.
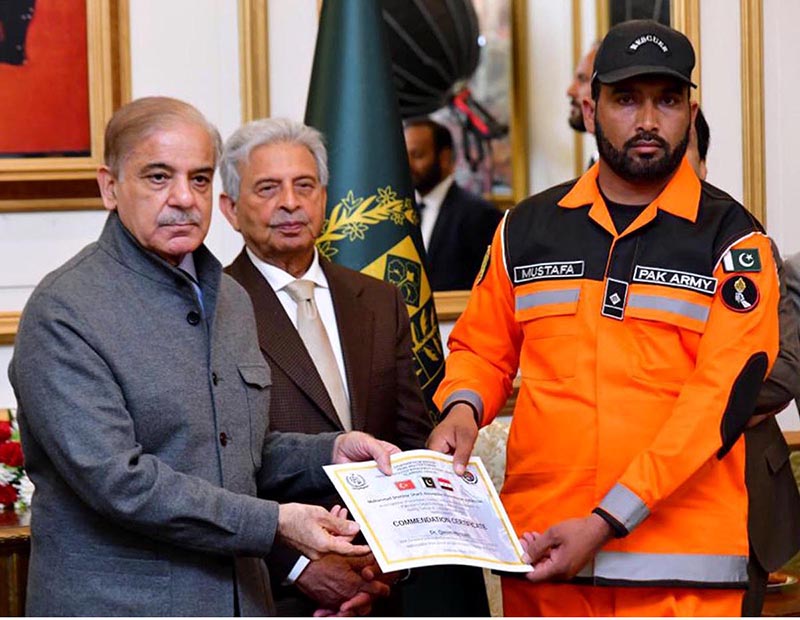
424, 514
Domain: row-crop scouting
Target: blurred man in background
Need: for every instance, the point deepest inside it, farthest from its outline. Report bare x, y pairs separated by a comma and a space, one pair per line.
581, 88
456, 225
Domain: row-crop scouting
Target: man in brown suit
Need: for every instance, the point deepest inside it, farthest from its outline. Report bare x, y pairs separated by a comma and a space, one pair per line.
274, 176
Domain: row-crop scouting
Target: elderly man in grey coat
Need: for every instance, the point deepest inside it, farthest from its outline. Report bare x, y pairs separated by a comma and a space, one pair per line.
143, 404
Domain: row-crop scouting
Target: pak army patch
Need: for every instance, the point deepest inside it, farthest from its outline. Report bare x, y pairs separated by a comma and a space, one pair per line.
484, 266
740, 294
747, 259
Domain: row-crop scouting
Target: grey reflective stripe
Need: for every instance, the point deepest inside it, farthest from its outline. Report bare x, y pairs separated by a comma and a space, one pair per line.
473, 398
542, 298
668, 304
625, 506
688, 567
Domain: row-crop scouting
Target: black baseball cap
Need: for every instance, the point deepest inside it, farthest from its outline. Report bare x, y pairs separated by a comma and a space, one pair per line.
643, 47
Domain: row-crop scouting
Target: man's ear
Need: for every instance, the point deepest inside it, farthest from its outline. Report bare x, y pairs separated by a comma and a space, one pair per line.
446, 162
694, 107
108, 187
228, 208
588, 107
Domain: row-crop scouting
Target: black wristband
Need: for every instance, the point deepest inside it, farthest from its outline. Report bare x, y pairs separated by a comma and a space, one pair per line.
475, 413
620, 531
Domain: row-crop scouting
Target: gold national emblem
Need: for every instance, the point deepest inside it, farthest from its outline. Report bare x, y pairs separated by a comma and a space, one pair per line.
353, 215
350, 220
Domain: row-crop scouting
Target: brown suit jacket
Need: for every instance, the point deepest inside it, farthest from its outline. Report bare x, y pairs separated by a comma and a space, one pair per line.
385, 397
774, 515
773, 520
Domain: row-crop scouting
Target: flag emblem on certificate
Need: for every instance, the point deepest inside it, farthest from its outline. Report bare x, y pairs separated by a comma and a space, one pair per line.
445, 484
428, 482
469, 477
404, 485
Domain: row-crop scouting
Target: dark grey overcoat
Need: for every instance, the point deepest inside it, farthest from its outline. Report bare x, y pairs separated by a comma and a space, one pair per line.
143, 416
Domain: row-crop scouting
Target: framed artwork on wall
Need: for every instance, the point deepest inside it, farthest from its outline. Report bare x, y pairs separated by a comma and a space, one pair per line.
497, 169
64, 68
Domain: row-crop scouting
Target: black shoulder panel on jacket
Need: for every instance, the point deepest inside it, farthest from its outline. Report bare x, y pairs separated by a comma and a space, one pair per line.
538, 231
733, 220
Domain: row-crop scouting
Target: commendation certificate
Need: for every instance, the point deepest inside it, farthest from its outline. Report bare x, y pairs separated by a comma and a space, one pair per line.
424, 514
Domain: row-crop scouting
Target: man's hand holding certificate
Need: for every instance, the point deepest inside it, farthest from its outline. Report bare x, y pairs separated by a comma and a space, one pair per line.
424, 514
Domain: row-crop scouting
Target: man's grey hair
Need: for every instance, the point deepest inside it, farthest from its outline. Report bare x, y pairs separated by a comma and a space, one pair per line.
263, 132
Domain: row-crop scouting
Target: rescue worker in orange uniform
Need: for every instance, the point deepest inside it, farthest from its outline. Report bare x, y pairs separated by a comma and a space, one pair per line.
640, 306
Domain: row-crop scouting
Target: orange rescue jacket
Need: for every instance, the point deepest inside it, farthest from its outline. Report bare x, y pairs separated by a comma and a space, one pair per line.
641, 355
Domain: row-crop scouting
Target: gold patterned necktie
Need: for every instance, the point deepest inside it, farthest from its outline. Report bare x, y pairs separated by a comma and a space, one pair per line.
315, 337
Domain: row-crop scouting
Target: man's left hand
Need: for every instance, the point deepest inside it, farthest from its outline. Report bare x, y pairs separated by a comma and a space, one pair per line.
565, 548
333, 580
356, 446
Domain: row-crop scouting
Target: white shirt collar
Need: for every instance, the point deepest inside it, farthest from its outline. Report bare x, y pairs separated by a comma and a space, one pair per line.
278, 278
434, 198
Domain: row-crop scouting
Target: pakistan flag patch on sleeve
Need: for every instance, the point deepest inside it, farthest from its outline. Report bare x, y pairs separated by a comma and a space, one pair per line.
742, 260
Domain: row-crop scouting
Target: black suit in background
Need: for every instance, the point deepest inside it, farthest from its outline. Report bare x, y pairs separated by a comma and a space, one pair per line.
773, 520
463, 229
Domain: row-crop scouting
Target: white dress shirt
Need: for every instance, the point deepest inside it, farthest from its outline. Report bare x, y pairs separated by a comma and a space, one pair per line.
433, 203
278, 279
